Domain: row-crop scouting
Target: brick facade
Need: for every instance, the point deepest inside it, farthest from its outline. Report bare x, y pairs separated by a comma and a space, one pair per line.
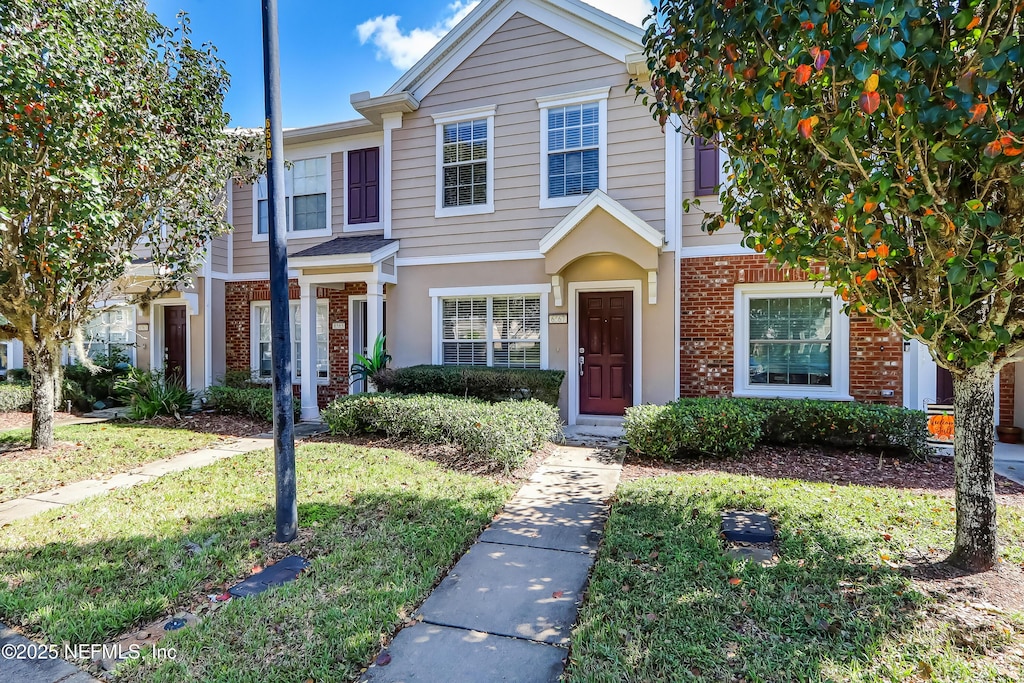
706, 331
1006, 399
238, 297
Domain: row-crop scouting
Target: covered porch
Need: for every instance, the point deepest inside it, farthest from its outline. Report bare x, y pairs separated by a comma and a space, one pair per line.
335, 264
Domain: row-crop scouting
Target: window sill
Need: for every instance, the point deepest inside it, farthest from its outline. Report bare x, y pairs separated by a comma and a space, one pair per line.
364, 227
562, 202
793, 394
471, 210
295, 235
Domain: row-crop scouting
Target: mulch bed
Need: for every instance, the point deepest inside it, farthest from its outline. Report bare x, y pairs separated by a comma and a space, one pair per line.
829, 466
24, 420
212, 423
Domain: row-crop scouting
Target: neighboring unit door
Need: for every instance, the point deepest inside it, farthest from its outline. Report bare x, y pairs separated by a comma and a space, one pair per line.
605, 361
174, 342
943, 386
360, 339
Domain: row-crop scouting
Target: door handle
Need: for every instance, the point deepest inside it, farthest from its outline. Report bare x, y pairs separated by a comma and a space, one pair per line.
581, 366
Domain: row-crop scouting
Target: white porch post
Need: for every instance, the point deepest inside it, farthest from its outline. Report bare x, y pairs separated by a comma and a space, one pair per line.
374, 316
307, 322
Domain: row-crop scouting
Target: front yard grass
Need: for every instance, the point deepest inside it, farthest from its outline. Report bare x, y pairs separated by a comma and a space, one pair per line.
853, 597
86, 451
380, 527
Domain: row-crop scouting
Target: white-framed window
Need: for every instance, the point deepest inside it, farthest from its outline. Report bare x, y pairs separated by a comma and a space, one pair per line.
465, 162
5, 357
499, 331
573, 146
307, 200
111, 334
262, 367
791, 340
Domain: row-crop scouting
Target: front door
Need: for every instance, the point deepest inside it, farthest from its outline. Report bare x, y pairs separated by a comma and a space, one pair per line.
606, 352
943, 386
174, 342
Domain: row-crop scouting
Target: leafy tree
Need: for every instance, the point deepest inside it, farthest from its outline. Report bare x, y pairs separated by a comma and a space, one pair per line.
111, 130
883, 140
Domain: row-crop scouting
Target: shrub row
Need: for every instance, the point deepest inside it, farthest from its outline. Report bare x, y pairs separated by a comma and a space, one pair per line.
487, 384
256, 402
14, 397
720, 427
504, 433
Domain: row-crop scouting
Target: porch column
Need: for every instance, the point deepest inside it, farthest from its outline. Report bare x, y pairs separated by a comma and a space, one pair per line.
307, 323
374, 316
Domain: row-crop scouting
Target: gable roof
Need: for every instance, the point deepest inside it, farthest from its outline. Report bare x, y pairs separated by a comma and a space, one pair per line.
605, 33
599, 200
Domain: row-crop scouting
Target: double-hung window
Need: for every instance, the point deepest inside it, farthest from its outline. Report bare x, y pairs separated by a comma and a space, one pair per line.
307, 184
791, 340
574, 147
499, 331
262, 367
109, 334
465, 162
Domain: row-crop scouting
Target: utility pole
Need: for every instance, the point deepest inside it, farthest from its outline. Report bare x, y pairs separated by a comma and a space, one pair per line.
280, 332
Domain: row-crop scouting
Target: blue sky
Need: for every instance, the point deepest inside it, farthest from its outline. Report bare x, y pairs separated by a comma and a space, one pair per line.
329, 48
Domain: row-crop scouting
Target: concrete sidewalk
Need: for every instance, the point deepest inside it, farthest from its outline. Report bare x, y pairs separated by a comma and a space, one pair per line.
19, 508
1010, 461
505, 611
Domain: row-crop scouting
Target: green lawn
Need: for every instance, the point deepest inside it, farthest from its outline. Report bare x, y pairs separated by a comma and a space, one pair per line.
87, 451
665, 603
379, 525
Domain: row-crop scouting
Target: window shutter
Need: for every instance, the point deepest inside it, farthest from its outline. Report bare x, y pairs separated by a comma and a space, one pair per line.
706, 167
363, 186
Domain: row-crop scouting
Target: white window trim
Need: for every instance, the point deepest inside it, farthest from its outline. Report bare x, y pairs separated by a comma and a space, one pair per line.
363, 227
599, 95
257, 236
440, 120
438, 294
254, 345
840, 390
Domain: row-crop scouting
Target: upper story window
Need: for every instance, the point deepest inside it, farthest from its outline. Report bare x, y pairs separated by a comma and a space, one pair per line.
307, 189
574, 146
363, 174
465, 162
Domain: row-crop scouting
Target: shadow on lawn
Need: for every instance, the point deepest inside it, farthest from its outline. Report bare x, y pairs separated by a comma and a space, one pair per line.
397, 542
667, 604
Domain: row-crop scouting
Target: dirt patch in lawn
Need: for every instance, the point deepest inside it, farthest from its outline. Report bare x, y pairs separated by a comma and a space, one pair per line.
450, 457
211, 422
24, 420
829, 466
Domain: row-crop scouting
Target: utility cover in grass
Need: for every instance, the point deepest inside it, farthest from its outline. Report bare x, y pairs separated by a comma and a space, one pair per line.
741, 526
276, 574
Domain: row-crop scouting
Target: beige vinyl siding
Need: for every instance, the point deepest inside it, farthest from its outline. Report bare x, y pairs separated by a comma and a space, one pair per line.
521, 61
219, 253
693, 235
338, 191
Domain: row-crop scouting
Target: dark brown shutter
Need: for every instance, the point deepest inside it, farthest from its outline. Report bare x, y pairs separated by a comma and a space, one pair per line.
706, 167
364, 186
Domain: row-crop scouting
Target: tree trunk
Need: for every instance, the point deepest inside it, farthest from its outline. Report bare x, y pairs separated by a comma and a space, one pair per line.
44, 375
975, 548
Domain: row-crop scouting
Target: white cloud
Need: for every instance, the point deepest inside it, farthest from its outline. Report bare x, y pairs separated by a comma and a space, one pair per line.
404, 48
632, 11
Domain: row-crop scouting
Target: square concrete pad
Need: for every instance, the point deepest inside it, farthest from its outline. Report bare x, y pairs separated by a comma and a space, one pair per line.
42, 670
510, 590
747, 527
428, 653
574, 527
591, 485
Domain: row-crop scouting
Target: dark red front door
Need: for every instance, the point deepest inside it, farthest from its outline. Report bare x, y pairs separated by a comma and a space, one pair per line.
606, 348
943, 386
174, 342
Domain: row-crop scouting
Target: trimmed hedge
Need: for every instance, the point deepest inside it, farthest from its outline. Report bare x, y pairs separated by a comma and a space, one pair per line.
256, 402
469, 381
720, 427
15, 397
504, 433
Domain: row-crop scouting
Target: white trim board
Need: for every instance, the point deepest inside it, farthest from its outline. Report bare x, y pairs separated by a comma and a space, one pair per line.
709, 250
573, 395
484, 257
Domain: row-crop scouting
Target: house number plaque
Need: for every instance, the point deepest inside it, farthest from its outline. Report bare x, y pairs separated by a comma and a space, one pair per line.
558, 318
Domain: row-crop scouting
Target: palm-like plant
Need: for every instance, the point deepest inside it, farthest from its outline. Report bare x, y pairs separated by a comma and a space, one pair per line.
366, 366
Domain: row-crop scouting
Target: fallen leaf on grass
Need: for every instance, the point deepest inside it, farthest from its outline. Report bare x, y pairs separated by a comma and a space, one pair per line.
735, 581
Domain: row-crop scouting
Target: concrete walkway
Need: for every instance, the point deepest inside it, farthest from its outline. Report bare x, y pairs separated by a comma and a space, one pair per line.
19, 508
1010, 461
505, 610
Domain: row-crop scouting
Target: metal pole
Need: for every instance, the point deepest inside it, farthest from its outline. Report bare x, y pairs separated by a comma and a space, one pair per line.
280, 333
